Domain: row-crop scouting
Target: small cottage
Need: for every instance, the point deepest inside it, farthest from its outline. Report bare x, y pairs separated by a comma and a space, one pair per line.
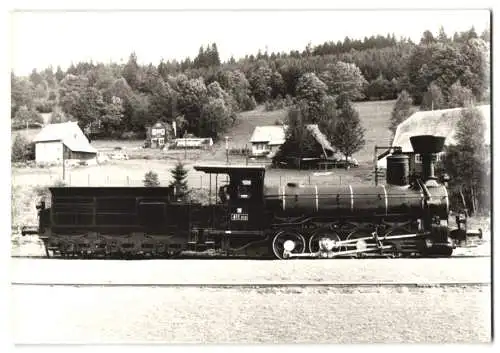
159, 134
64, 141
266, 140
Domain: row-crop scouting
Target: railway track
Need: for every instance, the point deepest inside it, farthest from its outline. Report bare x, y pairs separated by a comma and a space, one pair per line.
230, 272
199, 257
388, 285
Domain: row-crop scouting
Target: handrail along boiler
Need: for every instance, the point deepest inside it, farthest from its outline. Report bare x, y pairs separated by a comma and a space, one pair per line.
406, 216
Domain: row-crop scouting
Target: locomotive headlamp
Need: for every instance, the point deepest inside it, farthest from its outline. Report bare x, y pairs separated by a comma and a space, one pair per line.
289, 245
361, 245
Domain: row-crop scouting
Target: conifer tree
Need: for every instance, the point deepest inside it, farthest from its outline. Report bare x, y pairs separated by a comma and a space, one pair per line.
180, 185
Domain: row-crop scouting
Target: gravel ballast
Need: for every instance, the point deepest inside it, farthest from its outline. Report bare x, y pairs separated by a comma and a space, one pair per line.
43, 314
231, 272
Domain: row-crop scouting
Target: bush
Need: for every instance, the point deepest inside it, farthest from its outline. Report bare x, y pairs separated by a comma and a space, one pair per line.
24, 115
278, 103
60, 183
132, 135
151, 179
236, 151
22, 150
44, 107
52, 96
248, 103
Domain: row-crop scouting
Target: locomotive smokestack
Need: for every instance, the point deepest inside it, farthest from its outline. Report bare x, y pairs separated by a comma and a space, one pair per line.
427, 146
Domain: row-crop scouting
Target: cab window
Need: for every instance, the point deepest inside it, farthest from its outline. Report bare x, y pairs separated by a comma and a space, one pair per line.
245, 189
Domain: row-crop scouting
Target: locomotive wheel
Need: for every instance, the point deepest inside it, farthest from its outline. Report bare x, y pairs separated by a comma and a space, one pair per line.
321, 234
357, 235
281, 237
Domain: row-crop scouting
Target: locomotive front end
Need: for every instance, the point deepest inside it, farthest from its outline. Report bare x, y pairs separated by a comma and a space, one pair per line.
407, 215
436, 199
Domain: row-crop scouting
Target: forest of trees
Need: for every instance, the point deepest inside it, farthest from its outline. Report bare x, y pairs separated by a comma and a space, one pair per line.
204, 94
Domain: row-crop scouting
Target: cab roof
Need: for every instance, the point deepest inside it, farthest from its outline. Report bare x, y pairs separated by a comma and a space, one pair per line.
229, 169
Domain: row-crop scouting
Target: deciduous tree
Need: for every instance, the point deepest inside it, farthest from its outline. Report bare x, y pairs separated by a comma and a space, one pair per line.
311, 92
401, 111
348, 136
216, 117
459, 96
260, 81
433, 98
467, 161
344, 78
151, 179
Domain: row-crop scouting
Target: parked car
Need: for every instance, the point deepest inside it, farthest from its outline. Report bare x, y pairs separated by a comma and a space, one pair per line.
351, 163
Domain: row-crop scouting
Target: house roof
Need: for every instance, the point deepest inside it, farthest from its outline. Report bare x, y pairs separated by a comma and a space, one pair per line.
221, 168
68, 133
436, 122
275, 135
320, 137
272, 134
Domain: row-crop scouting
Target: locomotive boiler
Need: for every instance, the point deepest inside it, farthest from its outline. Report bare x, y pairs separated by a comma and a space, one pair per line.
406, 216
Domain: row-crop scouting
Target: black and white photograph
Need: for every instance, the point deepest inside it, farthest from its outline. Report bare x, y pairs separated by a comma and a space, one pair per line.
250, 176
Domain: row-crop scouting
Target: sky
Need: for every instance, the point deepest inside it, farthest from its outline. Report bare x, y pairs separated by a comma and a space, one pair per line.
43, 38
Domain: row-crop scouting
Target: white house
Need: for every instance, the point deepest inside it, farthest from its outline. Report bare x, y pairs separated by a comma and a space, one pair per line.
266, 140
55, 139
435, 122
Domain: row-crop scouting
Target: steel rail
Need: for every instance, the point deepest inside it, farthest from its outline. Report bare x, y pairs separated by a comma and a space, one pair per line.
265, 285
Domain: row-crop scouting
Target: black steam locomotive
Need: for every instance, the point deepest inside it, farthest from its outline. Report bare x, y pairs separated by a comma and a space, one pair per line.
407, 216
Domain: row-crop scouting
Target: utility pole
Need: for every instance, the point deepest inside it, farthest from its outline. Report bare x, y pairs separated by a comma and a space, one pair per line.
185, 146
63, 164
227, 149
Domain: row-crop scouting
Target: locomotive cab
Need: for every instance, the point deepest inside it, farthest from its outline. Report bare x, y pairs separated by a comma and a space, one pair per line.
241, 196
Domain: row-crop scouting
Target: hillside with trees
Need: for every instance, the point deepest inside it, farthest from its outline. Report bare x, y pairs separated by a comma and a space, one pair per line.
203, 95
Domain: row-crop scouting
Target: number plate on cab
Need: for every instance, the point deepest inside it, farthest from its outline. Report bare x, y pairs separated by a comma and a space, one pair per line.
239, 217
